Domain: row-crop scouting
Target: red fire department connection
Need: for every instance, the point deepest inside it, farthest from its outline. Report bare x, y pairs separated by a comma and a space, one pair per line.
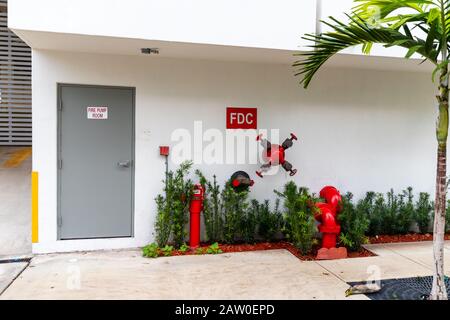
327, 215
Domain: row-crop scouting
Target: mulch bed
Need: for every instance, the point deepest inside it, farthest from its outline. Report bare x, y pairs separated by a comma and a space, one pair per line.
412, 237
229, 248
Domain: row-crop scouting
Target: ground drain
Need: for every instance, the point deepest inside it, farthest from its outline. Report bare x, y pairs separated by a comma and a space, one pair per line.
417, 288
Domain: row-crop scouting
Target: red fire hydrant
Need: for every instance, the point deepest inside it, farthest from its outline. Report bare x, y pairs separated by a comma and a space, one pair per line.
196, 207
327, 215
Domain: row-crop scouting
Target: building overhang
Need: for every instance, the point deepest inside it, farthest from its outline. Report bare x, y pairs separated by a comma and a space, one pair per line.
199, 51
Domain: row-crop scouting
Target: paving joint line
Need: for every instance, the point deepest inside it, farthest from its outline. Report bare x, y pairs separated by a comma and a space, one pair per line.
331, 272
15, 278
410, 259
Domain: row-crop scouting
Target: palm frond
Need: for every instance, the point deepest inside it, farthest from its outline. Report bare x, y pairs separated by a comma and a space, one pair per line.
383, 8
357, 32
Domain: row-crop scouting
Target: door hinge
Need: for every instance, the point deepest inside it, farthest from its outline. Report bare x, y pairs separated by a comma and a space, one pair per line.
60, 105
60, 164
59, 221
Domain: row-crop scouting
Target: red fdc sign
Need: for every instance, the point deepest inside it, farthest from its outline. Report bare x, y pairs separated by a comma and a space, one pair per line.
242, 118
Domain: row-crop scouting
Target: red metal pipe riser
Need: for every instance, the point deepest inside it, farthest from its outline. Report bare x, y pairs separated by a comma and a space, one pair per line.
195, 230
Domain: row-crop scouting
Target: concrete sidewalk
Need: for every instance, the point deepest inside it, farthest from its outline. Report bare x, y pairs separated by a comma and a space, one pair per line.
9, 272
273, 274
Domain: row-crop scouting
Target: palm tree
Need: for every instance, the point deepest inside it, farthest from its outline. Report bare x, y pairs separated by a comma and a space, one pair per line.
423, 28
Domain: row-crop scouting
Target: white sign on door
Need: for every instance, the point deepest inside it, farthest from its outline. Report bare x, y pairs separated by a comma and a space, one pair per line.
97, 113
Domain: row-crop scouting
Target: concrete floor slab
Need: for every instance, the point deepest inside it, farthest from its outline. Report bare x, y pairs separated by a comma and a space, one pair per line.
418, 252
375, 268
274, 274
15, 202
421, 254
380, 250
8, 272
420, 247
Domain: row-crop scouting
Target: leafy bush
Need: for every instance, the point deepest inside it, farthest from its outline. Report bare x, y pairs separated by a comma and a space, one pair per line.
406, 212
163, 223
375, 206
167, 250
184, 248
212, 211
372, 204
229, 216
180, 191
269, 223
354, 221
173, 207
234, 211
199, 250
300, 225
214, 249
150, 251
390, 213
423, 212
393, 214
248, 222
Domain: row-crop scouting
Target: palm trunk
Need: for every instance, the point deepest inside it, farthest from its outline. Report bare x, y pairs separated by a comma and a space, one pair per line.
439, 291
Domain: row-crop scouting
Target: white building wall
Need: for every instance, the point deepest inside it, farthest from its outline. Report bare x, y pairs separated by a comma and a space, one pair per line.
250, 23
264, 24
359, 130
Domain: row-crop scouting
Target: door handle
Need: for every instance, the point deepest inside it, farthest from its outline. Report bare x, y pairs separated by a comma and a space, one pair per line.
124, 164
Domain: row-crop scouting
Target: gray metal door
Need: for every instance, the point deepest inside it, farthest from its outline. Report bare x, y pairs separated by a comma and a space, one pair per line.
96, 162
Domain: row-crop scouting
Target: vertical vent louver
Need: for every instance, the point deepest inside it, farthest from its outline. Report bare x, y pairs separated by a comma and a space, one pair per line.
15, 85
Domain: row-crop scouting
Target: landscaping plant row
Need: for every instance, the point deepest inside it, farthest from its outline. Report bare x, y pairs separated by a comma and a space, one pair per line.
231, 217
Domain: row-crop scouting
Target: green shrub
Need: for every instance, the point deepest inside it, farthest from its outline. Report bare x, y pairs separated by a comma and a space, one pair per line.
214, 249
234, 210
423, 212
248, 222
269, 223
184, 248
376, 206
150, 251
173, 207
300, 226
167, 250
406, 212
393, 214
354, 221
180, 190
228, 214
447, 217
212, 211
199, 250
163, 223
390, 213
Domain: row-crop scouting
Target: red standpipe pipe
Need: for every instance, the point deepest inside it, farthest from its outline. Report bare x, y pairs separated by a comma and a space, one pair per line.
195, 208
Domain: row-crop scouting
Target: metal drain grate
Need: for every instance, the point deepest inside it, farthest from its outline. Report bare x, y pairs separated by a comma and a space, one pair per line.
417, 288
